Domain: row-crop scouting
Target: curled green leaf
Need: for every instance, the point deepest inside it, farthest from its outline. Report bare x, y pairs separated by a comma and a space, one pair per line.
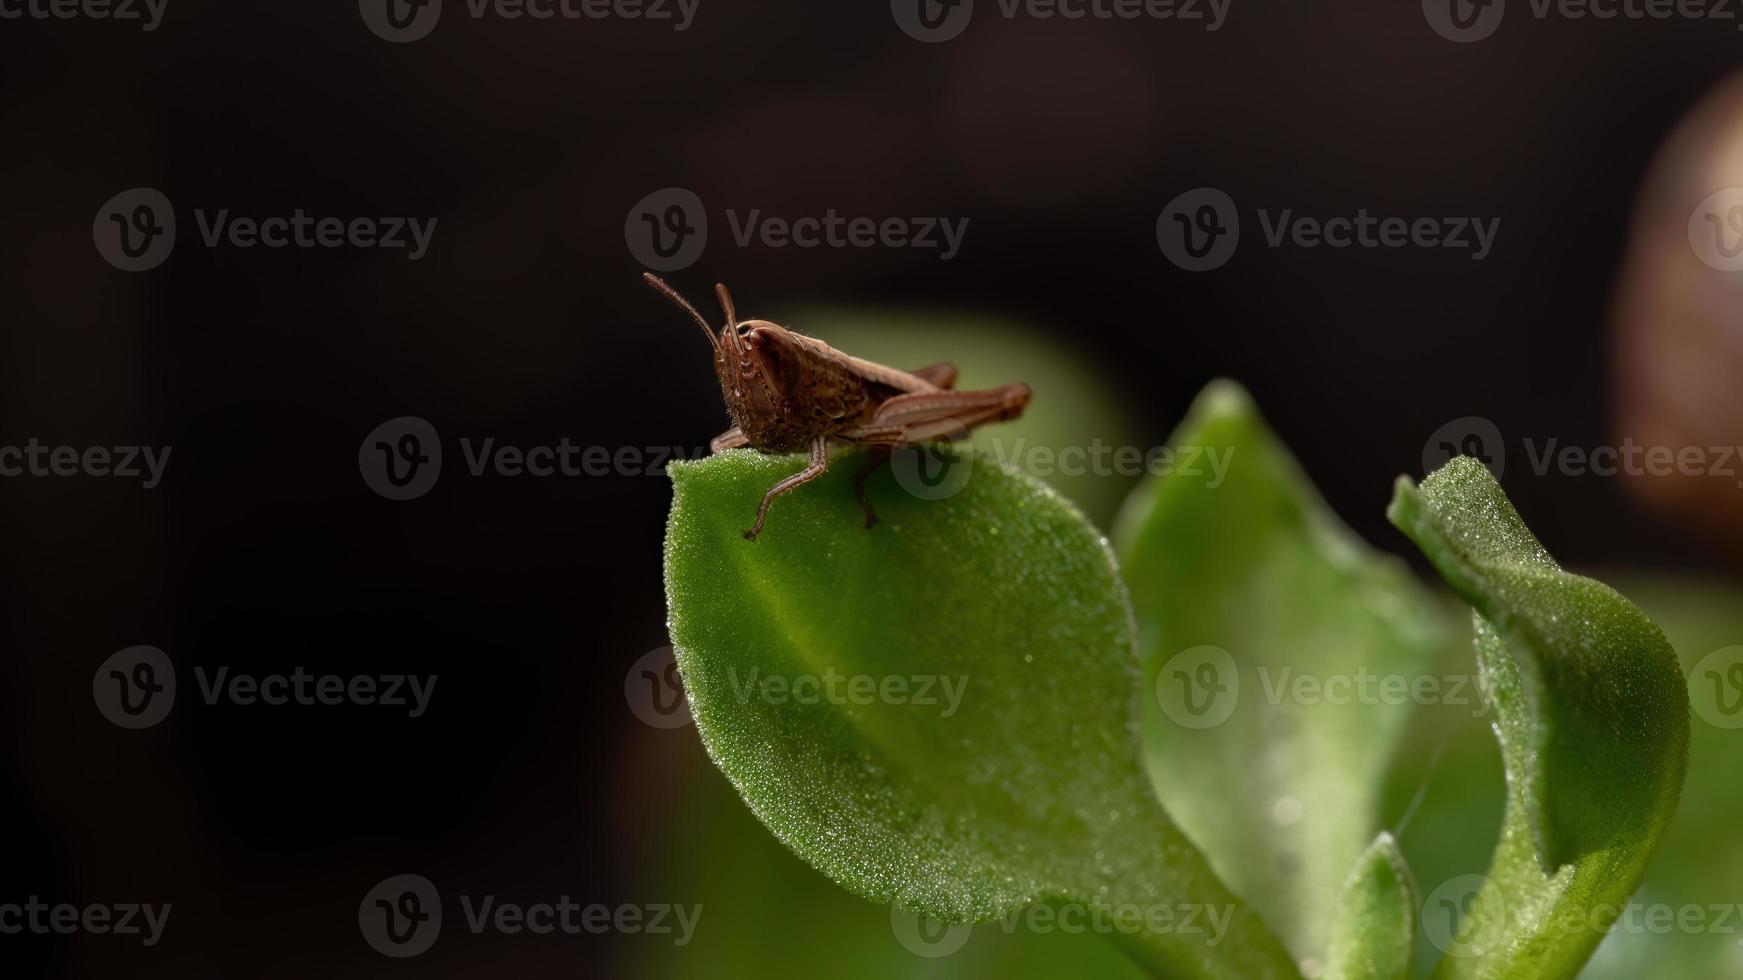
1276, 644
1592, 717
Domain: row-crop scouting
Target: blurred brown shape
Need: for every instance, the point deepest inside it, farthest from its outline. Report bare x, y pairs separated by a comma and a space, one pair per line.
1678, 319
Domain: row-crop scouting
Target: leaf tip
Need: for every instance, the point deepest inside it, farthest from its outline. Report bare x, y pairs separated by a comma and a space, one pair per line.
1224, 398
1403, 503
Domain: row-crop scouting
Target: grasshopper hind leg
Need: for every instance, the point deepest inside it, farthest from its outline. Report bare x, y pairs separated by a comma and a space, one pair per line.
876, 457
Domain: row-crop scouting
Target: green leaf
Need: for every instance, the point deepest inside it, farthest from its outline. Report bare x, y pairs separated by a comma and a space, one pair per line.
1013, 777
1696, 863
1592, 717
1375, 929
1243, 579
771, 915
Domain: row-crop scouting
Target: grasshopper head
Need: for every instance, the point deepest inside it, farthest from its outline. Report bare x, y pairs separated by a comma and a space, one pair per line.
760, 364
761, 370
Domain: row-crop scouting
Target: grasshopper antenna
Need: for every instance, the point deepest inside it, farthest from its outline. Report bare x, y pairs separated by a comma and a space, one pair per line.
731, 314
682, 304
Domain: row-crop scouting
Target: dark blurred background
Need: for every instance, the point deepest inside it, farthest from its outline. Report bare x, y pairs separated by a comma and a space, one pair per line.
531, 143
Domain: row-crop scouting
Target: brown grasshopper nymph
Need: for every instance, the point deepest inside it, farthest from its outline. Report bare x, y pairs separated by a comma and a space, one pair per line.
787, 392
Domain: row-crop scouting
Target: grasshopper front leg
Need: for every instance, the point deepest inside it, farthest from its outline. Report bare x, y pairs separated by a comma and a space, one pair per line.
732, 438
819, 466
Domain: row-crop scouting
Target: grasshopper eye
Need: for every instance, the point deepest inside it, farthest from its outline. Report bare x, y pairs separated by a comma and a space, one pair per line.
779, 363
